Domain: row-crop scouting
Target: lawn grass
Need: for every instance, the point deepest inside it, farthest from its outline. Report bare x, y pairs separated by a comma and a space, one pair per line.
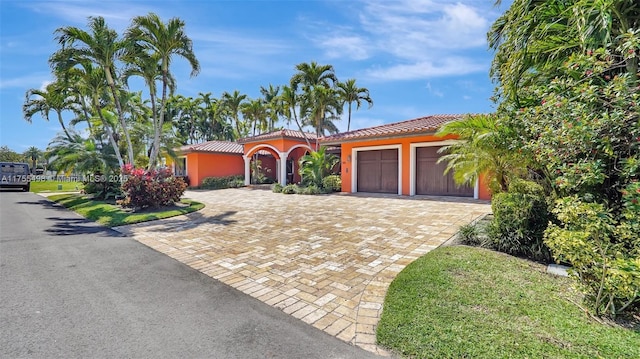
112, 215
465, 302
52, 186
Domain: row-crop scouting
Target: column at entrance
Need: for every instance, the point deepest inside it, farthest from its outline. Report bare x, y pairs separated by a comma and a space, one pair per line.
247, 170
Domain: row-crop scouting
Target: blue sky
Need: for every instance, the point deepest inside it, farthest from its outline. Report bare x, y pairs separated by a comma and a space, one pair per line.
416, 58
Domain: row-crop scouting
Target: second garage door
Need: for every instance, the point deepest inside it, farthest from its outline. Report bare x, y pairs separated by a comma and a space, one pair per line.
430, 179
378, 171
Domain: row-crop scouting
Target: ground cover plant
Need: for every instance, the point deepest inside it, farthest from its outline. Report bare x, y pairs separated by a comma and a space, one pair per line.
111, 215
468, 302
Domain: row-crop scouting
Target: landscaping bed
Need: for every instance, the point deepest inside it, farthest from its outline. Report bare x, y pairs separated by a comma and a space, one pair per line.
112, 215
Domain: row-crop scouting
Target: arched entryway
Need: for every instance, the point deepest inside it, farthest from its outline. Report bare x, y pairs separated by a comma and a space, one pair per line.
286, 147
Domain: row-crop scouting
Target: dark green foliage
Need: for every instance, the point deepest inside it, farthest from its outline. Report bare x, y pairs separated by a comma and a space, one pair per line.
223, 182
310, 189
315, 166
276, 188
103, 187
290, 189
520, 218
469, 234
332, 183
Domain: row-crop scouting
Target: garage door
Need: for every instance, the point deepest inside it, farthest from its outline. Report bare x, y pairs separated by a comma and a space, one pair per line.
430, 179
378, 171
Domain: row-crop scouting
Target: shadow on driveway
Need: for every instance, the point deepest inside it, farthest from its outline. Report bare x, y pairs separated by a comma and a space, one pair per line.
72, 226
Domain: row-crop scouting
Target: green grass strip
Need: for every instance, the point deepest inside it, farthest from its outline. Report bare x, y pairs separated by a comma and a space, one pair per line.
112, 215
55, 186
463, 302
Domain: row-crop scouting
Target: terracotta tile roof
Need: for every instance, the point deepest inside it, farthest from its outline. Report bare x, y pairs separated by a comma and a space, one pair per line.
427, 124
213, 146
277, 134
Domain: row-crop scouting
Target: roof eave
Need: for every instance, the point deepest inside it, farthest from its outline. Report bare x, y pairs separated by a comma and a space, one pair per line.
378, 137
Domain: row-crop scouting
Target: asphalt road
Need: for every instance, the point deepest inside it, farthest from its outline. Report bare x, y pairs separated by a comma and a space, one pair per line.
72, 289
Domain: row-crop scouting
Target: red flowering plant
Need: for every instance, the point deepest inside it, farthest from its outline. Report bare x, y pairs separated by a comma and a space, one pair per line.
150, 188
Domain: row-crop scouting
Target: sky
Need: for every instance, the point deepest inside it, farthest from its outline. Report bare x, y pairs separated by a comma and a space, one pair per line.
417, 58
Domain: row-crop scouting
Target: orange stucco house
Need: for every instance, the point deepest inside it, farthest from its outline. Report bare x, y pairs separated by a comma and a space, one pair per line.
399, 158
278, 152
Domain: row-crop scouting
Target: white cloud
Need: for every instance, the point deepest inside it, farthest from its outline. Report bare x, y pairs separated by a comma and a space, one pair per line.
411, 39
34, 80
118, 15
451, 66
345, 46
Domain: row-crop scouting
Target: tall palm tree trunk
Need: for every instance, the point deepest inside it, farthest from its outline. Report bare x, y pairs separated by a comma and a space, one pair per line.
64, 128
116, 99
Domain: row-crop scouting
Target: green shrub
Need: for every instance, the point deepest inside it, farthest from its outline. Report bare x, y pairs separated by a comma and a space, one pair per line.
290, 189
332, 183
310, 190
223, 182
520, 218
276, 188
605, 265
103, 187
469, 235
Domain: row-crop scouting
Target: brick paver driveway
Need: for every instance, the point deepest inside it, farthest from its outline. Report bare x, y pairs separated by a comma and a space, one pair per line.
327, 260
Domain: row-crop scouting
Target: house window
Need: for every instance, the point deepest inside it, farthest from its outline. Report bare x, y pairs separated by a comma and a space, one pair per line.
180, 167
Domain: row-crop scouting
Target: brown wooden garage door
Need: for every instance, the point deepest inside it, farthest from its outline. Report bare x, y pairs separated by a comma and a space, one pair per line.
378, 171
430, 179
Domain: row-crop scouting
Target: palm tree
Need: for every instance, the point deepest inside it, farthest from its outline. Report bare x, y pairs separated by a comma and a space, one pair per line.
273, 103
233, 103
161, 42
481, 149
318, 96
321, 105
52, 98
255, 113
535, 35
349, 93
100, 46
33, 153
317, 165
89, 84
290, 102
79, 154
312, 74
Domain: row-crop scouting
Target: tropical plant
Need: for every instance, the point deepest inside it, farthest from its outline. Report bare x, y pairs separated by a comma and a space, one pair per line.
157, 43
102, 47
34, 154
332, 183
233, 103
319, 102
350, 93
290, 101
273, 104
482, 148
80, 155
52, 98
255, 113
315, 166
320, 107
568, 75
151, 188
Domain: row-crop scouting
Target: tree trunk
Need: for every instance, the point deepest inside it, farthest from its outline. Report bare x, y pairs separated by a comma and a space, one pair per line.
116, 99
